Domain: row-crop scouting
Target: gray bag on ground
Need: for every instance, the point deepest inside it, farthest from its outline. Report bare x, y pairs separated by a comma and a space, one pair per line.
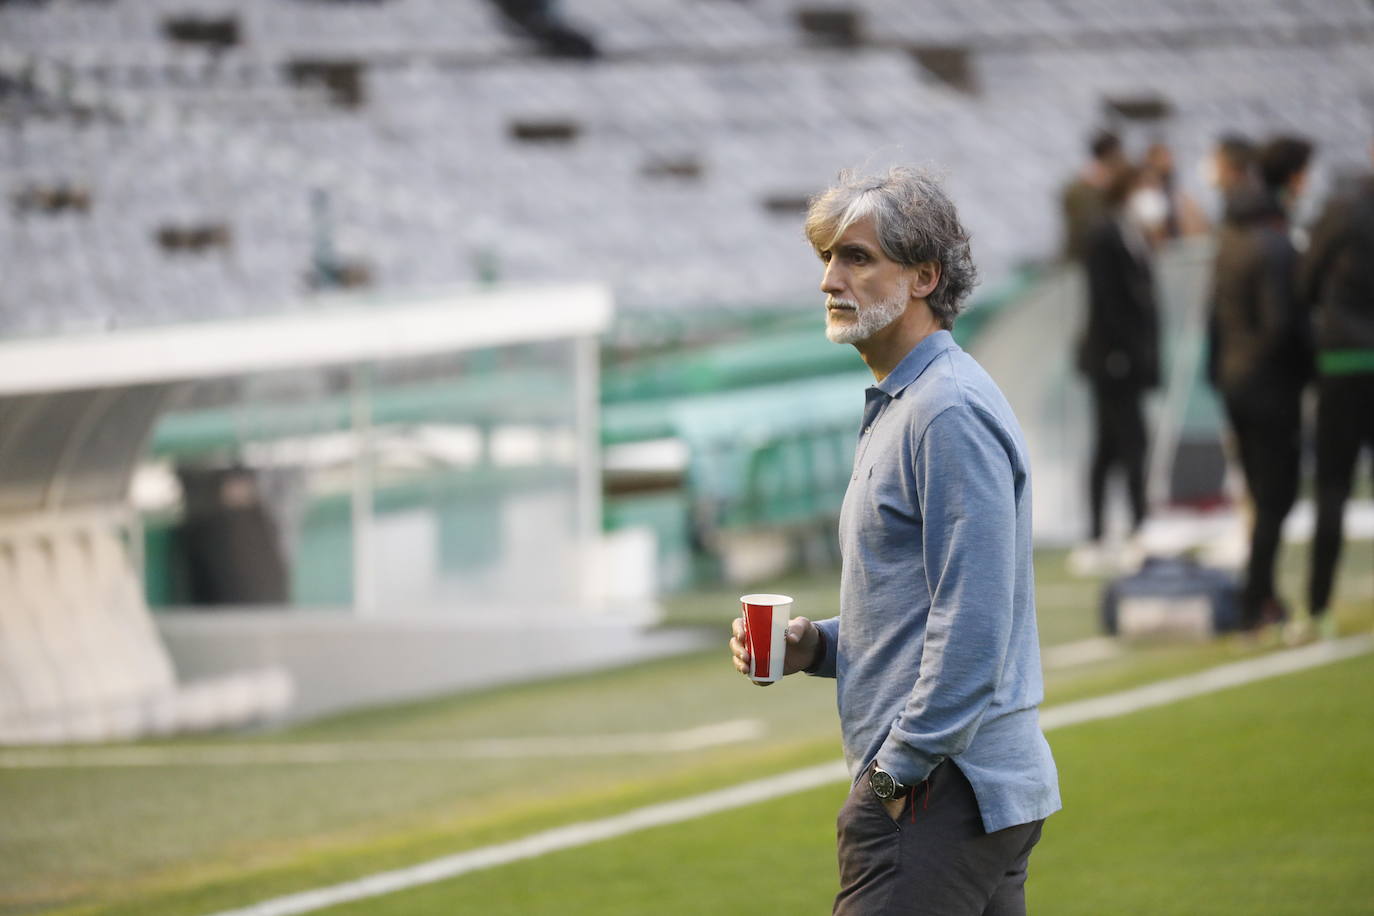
1171, 596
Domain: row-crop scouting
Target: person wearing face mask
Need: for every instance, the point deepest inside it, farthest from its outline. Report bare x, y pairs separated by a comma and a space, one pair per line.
1148, 209
1264, 356
1183, 216
1118, 351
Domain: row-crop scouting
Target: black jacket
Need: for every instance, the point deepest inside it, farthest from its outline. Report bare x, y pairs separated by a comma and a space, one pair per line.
1337, 273
1262, 338
1120, 344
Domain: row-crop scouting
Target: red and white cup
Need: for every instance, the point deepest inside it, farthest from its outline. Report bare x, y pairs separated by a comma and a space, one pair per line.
765, 634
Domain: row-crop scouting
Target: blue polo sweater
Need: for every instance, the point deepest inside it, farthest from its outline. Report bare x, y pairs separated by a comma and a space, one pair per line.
935, 649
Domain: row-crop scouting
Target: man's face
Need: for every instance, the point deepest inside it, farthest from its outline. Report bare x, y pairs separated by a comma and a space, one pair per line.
1160, 159
865, 290
1226, 175
1297, 185
1113, 164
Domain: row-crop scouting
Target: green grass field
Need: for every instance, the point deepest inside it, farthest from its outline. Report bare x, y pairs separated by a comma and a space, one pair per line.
1255, 801
188, 840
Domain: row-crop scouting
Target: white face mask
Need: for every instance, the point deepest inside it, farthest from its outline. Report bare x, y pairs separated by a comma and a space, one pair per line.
1148, 207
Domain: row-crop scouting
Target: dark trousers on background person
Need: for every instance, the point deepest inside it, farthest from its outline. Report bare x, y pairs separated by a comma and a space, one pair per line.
1267, 424
1345, 423
935, 859
1120, 442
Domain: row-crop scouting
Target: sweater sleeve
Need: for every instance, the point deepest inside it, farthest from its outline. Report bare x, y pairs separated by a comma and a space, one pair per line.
968, 507
830, 640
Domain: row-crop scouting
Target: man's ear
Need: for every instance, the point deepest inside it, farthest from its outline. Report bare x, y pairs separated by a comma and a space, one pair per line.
925, 277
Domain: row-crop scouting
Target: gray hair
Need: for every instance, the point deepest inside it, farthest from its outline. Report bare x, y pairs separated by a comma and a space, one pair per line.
915, 222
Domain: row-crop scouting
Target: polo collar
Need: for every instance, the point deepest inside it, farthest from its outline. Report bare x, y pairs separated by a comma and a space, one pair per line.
915, 362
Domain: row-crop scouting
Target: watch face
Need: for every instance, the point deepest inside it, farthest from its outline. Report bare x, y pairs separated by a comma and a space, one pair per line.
883, 784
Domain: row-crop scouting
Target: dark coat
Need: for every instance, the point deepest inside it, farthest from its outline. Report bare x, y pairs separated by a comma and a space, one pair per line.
1337, 273
1120, 345
1084, 209
1262, 338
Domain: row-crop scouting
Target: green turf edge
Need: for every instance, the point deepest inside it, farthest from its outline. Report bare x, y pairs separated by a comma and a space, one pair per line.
1253, 800
333, 855
330, 859
191, 890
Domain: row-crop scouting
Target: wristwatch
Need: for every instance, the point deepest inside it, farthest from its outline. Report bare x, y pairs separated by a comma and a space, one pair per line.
885, 785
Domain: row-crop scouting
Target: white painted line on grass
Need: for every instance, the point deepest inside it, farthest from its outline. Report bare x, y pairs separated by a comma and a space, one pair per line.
750, 793
550, 841
1221, 677
1085, 651
542, 747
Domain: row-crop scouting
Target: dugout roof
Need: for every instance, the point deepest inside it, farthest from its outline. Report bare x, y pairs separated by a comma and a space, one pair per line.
76, 412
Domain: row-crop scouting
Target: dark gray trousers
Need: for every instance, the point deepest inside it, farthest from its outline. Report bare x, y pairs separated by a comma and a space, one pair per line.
935, 860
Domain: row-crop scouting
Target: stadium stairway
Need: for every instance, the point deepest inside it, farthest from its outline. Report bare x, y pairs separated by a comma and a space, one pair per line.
1029, 350
80, 659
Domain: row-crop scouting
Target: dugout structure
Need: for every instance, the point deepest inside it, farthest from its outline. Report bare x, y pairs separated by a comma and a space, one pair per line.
82, 658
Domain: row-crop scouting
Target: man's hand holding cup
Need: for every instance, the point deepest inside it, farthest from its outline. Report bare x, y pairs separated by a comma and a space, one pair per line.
763, 635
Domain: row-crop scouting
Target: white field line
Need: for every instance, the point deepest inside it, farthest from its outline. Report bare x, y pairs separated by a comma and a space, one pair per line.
750, 793
541, 747
1221, 677
1085, 651
549, 841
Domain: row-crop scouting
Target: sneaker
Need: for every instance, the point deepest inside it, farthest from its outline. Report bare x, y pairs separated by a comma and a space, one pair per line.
1326, 626
1260, 635
1272, 611
1088, 559
1268, 621
1130, 557
1299, 631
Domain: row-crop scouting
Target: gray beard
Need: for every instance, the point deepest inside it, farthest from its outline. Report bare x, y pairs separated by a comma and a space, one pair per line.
869, 319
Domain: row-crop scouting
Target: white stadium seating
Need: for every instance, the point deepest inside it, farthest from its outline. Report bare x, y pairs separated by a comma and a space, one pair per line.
427, 186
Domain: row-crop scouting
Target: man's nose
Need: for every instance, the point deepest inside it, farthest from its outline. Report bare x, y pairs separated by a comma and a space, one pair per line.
832, 280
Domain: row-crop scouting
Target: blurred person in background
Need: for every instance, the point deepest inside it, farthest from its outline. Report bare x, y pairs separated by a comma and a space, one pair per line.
1231, 170
1337, 284
935, 649
1232, 166
1118, 354
1083, 198
1264, 356
1183, 216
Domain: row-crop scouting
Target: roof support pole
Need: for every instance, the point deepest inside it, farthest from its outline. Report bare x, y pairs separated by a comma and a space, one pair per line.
587, 387
364, 554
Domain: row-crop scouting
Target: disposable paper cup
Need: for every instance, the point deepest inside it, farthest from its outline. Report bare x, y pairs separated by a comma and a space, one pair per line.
765, 633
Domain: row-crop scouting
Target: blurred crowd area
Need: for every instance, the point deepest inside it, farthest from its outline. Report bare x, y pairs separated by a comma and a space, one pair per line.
1287, 321
170, 161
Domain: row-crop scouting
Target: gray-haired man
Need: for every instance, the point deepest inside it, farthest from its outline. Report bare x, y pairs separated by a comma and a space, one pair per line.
935, 649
